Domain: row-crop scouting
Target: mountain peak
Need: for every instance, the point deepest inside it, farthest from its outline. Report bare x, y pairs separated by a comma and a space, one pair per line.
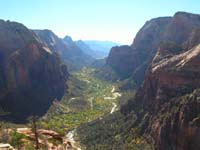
81, 42
68, 39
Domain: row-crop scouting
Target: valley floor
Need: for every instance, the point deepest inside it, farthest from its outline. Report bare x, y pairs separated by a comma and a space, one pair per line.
86, 100
87, 113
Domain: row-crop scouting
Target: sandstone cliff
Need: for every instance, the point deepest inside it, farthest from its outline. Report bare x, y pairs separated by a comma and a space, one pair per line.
181, 29
167, 104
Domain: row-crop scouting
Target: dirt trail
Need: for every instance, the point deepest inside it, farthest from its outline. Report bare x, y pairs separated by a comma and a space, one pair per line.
115, 95
114, 108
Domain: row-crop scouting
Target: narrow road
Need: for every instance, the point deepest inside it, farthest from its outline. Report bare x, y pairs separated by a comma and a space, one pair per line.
113, 89
113, 108
91, 102
115, 95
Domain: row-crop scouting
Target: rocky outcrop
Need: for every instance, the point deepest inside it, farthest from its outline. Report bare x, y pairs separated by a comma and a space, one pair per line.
6, 147
31, 74
167, 104
48, 133
46, 139
174, 75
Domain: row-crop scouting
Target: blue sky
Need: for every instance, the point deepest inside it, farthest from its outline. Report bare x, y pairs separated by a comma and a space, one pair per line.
115, 20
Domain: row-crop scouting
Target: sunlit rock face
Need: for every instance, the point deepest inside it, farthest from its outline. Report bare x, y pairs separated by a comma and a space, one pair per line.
181, 29
169, 99
169, 95
31, 74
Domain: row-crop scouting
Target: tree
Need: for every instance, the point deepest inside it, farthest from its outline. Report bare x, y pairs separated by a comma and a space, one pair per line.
33, 122
4, 134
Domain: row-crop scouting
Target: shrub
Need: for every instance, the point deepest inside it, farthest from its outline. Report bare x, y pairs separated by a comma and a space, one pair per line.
16, 139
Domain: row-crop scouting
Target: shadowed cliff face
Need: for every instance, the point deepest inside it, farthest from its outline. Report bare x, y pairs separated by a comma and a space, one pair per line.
169, 97
31, 75
124, 66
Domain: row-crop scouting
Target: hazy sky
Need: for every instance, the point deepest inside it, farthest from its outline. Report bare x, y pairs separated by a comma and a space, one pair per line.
115, 20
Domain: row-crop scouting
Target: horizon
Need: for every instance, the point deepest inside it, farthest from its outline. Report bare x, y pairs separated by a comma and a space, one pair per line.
116, 21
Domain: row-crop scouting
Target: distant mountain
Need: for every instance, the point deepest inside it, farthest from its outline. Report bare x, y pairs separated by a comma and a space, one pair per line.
87, 50
74, 57
68, 40
77, 55
102, 47
31, 74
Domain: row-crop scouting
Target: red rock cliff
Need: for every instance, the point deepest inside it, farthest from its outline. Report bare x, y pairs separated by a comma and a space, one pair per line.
168, 103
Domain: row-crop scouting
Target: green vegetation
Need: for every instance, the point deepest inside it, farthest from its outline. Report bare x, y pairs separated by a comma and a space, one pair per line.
9, 135
84, 102
114, 131
106, 73
17, 139
87, 105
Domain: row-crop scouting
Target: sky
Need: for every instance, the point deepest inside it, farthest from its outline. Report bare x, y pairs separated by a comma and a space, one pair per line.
112, 20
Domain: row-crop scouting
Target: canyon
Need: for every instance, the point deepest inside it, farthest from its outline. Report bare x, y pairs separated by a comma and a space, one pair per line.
142, 96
